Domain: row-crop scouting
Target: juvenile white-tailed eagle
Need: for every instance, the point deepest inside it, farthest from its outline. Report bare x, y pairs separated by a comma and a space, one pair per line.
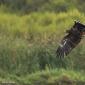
71, 40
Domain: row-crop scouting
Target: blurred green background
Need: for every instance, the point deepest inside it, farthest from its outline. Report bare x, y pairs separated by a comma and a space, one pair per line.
30, 31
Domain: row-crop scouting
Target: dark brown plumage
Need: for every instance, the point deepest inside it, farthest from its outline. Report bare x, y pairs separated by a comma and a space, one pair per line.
71, 40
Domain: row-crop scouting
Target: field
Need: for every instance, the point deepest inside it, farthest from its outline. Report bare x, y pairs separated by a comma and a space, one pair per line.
48, 77
29, 39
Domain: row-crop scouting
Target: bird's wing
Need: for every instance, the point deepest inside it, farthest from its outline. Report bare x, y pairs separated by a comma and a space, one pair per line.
66, 45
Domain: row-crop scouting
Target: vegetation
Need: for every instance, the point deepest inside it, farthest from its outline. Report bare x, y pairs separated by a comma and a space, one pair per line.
30, 31
48, 77
27, 6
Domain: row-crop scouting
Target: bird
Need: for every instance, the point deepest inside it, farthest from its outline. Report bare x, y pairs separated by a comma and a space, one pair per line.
72, 38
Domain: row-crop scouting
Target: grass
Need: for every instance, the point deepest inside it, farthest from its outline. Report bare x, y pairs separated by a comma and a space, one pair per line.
49, 77
38, 26
29, 35
28, 43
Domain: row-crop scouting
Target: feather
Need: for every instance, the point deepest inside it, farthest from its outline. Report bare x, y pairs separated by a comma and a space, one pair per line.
71, 40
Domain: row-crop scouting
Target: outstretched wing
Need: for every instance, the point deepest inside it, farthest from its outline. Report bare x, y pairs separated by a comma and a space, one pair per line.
71, 40
66, 45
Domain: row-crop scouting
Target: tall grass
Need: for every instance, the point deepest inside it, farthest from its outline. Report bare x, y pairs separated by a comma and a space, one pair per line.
28, 6
28, 43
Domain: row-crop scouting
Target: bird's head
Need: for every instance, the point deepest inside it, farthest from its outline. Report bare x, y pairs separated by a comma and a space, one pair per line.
80, 27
